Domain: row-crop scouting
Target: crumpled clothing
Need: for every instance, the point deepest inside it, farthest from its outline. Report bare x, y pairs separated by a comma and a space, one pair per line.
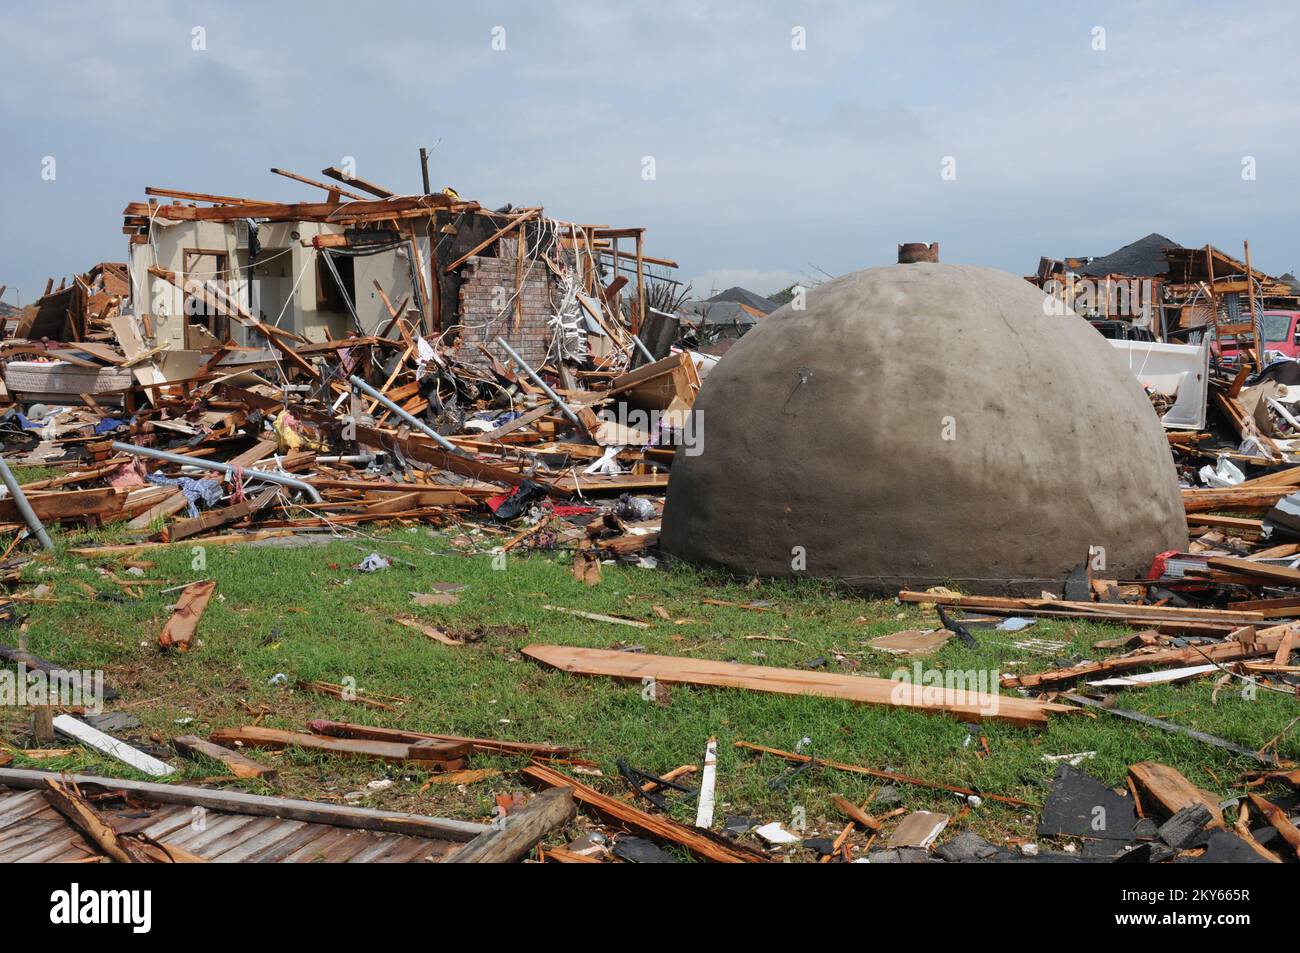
209, 491
131, 473
373, 563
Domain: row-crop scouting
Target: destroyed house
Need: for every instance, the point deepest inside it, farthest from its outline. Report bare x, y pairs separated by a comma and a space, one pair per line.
211, 272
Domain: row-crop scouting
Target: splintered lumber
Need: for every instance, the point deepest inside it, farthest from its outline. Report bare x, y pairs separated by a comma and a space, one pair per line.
953, 700
1162, 785
239, 765
180, 628
655, 826
1102, 611
340, 729
1226, 522
1250, 567
122, 848
518, 423
173, 502
343, 693
855, 813
1233, 498
212, 519
94, 738
1281, 823
238, 802
1266, 642
52, 507
883, 775
520, 831
255, 736
598, 617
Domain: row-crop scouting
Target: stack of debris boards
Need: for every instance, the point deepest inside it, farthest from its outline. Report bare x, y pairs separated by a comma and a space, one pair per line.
363, 357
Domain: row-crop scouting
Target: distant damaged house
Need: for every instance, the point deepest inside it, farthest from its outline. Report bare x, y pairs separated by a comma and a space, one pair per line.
725, 316
1167, 307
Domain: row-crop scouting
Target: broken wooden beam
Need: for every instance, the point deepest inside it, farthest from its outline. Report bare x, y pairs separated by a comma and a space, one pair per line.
239, 765
184, 622
431, 752
657, 827
340, 729
520, 831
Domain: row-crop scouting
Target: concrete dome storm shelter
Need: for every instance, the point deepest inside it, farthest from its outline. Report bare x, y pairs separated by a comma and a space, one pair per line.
922, 424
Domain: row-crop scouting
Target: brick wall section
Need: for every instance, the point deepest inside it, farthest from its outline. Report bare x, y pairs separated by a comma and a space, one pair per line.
487, 284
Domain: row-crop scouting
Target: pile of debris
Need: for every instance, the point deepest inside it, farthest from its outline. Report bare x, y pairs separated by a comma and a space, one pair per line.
265, 367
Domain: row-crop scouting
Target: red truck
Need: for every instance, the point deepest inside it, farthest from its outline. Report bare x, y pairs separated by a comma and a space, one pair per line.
1280, 335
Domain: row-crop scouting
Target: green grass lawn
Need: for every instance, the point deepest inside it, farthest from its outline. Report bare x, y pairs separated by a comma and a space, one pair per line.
307, 613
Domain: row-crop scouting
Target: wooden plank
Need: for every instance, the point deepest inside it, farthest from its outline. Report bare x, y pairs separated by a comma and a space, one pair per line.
334, 172
275, 738
654, 826
184, 621
1265, 643
1101, 610
481, 745
1160, 784
238, 802
239, 765
1233, 498
599, 617
498, 234
101, 502
1281, 823
94, 738
855, 814
1247, 567
214, 519
521, 831
174, 502
518, 423
958, 701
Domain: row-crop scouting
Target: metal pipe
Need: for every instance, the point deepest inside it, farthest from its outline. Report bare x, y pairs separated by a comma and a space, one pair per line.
536, 378
24, 508
418, 424
254, 475
650, 358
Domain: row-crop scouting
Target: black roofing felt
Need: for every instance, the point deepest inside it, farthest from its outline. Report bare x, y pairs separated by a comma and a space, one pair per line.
1145, 257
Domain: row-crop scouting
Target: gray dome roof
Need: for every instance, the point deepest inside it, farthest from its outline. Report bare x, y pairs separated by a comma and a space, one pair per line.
920, 424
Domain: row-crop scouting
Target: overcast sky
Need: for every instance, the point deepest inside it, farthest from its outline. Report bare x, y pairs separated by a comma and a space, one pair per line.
770, 162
